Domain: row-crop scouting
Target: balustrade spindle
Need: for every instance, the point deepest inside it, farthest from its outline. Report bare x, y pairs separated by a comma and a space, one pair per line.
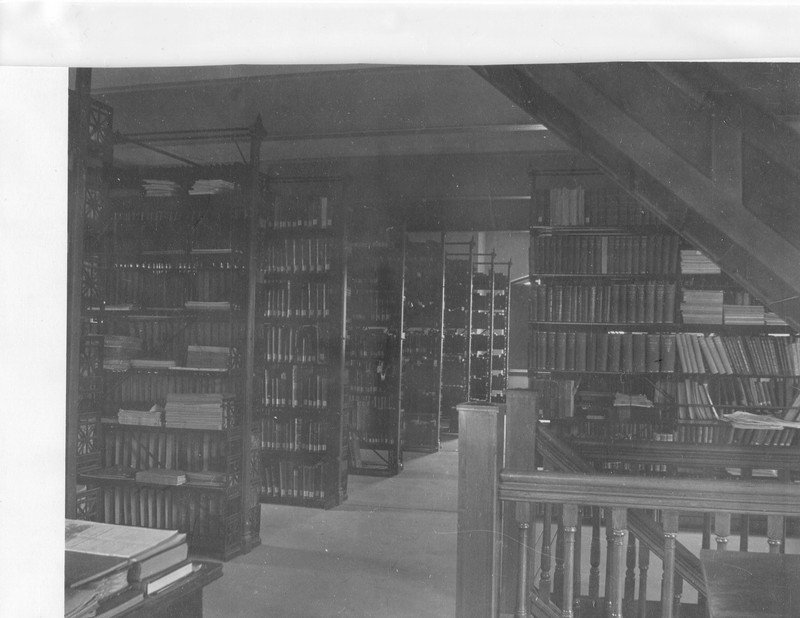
669, 521
576, 562
644, 565
615, 567
722, 530
544, 577
523, 517
558, 571
569, 526
776, 533
744, 522
676, 597
630, 572
594, 557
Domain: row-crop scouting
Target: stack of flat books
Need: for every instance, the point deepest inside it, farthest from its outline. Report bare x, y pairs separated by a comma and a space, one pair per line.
772, 319
160, 188
110, 569
151, 363
201, 305
208, 357
743, 314
211, 186
154, 417
702, 307
694, 262
196, 410
159, 476
209, 479
118, 350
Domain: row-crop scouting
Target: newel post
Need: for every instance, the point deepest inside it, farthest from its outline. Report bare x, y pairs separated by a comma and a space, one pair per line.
480, 457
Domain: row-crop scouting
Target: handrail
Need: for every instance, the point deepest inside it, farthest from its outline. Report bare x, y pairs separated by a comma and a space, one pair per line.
749, 497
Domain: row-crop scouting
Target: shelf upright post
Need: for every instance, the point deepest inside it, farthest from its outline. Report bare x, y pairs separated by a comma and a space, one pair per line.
398, 427
77, 198
257, 134
469, 318
441, 343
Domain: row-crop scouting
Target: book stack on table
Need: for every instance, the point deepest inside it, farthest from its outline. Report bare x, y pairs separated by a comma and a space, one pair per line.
196, 410
110, 569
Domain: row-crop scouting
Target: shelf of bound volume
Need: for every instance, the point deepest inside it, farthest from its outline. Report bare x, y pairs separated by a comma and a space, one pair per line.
422, 315
639, 340
374, 346
298, 345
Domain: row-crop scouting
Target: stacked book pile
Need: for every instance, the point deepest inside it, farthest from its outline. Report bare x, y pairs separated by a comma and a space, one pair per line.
196, 410
743, 314
694, 262
118, 350
702, 307
772, 319
154, 417
208, 479
208, 357
159, 476
204, 305
151, 363
160, 188
211, 186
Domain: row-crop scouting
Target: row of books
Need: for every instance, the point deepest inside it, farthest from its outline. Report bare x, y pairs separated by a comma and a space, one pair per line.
375, 439
597, 207
735, 391
603, 351
288, 479
372, 381
300, 212
694, 262
638, 303
173, 288
717, 354
152, 386
369, 344
294, 434
487, 281
764, 430
702, 307
287, 299
604, 254
196, 512
370, 305
421, 342
111, 569
298, 256
127, 450
209, 411
210, 357
368, 403
294, 344
295, 387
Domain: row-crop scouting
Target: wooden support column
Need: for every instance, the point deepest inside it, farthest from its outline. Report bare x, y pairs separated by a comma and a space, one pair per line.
644, 566
75, 212
523, 516
594, 557
480, 456
630, 570
545, 584
669, 520
569, 526
521, 415
249, 500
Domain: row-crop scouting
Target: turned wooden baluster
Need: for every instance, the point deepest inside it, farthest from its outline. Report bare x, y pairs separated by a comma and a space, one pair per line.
722, 530
523, 517
669, 521
576, 570
544, 577
644, 565
569, 526
744, 532
558, 571
775, 533
676, 597
630, 572
594, 557
615, 567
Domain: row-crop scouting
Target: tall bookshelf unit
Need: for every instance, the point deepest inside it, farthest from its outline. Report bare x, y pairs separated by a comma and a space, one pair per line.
374, 348
422, 330
178, 440
636, 338
299, 372
457, 300
91, 154
489, 328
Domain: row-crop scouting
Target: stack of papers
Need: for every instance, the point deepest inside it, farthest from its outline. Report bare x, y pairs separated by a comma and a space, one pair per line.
145, 418
694, 262
160, 188
743, 314
702, 307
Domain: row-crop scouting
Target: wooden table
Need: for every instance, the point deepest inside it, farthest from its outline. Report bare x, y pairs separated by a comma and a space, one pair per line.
751, 585
184, 599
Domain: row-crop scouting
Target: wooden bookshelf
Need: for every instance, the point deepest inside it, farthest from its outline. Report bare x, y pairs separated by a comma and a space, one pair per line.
176, 320
636, 338
299, 373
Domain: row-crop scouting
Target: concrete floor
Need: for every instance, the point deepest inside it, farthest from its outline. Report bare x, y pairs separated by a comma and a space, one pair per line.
388, 551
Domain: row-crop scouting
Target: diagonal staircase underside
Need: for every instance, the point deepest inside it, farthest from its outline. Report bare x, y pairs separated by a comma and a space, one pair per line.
695, 147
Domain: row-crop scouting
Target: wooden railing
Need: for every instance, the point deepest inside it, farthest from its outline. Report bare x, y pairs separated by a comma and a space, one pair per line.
510, 562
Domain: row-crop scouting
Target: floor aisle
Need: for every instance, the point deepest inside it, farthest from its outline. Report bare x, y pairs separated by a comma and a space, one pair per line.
389, 551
